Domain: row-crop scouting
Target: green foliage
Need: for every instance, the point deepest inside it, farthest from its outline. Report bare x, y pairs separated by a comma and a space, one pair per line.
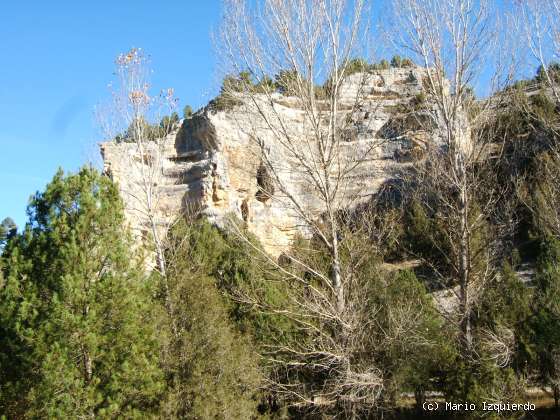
419, 101
382, 65
507, 304
231, 85
400, 332
356, 65
8, 230
504, 312
525, 128
396, 61
553, 71
187, 112
407, 63
76, 323
236, 267
545, 323
540, 78
83, 336
287, 82
401, 62
425, 236
418, 347
241, 83
265, 84
211, 367
506, 301
168, 122
142, 130
481, 381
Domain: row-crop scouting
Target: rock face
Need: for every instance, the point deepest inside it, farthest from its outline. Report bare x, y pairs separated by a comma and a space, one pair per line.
213, 163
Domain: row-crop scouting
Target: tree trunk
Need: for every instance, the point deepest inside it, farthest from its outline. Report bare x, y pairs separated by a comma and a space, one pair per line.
464, 249
88, 368
86, 359
420, 397
336, 277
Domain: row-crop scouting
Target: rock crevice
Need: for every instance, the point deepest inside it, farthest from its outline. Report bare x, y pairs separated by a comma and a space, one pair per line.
213, 163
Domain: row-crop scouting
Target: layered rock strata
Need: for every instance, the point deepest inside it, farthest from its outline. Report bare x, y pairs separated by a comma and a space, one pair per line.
214, 161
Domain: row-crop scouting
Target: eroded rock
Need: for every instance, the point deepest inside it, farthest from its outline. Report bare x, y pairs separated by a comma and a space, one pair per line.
214, 163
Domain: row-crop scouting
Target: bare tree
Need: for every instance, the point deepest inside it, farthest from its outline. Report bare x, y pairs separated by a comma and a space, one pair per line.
137, 126
302, 43
325, 367
539, 25
453, 41
302, 125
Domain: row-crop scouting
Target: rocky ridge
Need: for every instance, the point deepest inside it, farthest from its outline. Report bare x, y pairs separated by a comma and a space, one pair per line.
211, 163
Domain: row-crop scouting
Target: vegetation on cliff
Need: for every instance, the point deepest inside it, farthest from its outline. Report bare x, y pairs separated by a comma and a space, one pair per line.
445, 283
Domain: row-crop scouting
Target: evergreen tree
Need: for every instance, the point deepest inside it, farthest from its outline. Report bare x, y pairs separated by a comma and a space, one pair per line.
187, 112
396, 61
417, 347
286, 81
167, 123
507, 306
211, 367
502, 343
8, 229
384, 65
546, 321
407, 62
76, 323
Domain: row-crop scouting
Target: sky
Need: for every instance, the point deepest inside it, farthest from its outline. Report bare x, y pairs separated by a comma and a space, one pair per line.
56, 60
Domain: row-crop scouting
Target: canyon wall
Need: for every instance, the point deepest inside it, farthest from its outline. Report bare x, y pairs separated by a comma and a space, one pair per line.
213, 162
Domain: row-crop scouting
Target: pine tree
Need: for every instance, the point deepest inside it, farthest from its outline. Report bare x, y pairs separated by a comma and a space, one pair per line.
76, 322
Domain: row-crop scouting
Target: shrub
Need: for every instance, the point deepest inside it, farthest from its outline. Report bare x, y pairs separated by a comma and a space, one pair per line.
356, 65
212, 364
265, 85
231, 85
382, 65
553, 72
187, 112
396, 61
406, 63
286, 82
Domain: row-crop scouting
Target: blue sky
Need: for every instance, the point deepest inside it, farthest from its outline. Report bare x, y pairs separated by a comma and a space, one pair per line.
56, 59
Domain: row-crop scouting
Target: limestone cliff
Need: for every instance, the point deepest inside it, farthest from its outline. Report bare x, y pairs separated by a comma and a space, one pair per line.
211, 162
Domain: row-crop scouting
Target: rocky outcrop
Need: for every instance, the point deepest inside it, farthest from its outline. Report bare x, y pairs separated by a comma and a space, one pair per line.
212, 162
